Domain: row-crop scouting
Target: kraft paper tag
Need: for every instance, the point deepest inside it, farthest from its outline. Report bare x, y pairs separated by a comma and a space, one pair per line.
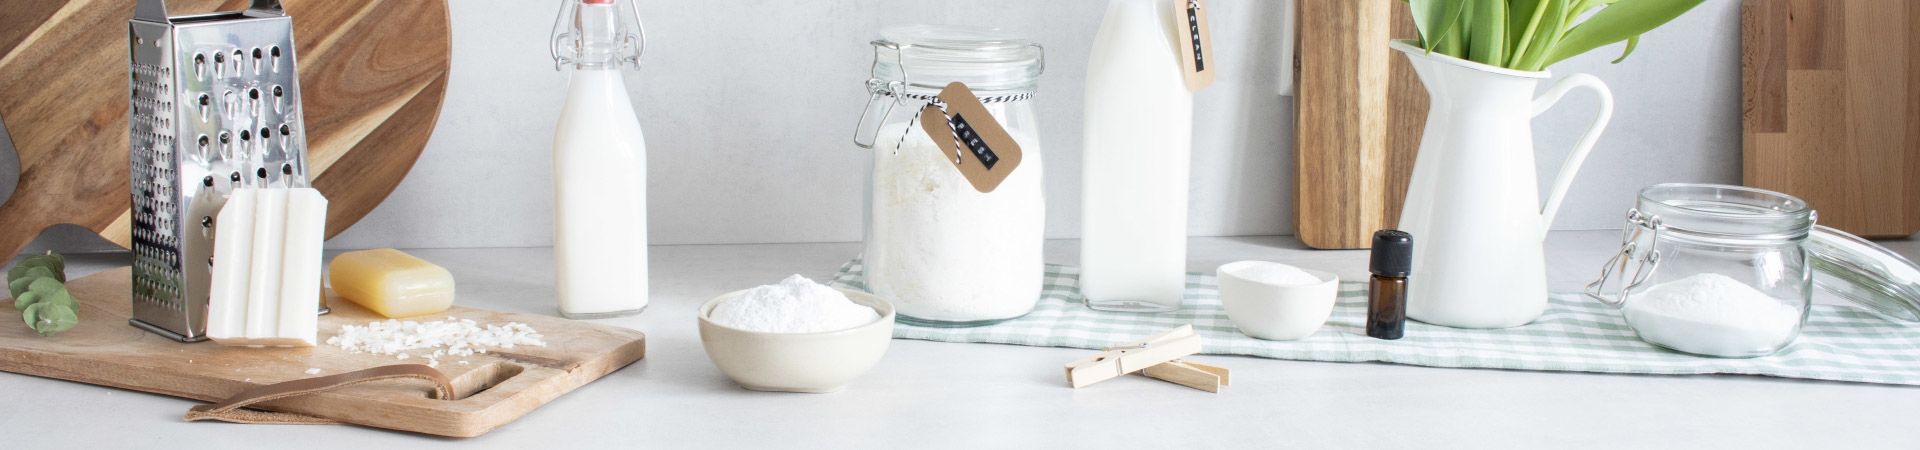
1196, 53
971, 138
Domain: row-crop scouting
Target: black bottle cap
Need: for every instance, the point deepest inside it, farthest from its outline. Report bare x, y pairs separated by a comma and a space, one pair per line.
1392, 253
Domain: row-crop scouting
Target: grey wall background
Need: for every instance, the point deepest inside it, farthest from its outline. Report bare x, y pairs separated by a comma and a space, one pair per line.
749, 107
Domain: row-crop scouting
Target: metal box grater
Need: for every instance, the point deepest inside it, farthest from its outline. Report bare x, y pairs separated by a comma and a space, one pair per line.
216, 106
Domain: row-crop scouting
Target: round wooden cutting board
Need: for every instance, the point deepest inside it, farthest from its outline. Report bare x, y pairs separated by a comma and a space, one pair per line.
372, 77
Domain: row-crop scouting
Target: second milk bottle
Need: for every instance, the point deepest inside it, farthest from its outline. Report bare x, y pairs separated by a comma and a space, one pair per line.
599, 164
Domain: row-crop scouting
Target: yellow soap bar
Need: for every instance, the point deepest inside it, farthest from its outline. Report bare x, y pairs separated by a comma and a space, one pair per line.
392, 283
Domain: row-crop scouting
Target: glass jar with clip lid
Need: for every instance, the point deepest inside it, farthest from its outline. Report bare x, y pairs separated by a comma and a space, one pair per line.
946, 252
1731, 271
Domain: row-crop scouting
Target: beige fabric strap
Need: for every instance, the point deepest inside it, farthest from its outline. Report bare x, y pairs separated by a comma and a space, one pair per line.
232, 409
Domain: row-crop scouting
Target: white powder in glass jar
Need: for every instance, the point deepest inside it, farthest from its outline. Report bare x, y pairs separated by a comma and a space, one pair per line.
943, 251
1712, 314
795, 305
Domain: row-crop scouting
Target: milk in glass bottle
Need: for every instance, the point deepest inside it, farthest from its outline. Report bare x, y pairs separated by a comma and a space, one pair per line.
599, 164
1138, 136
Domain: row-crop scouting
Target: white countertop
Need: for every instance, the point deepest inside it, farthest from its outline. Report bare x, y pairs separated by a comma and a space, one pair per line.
999, 396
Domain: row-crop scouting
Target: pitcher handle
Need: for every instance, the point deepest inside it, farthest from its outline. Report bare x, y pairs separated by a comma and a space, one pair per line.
1572, 166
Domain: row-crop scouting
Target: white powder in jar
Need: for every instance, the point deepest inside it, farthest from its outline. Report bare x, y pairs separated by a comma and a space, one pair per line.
943, 251
1712, 314
795, 305
1275, 274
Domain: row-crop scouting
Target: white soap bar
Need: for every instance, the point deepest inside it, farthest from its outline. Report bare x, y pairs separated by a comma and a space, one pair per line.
266, 268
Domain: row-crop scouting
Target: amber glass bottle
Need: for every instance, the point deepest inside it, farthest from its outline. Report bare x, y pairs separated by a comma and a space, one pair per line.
1392, 262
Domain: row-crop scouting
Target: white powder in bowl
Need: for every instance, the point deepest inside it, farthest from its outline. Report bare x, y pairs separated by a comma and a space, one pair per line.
1712, 314
1275, 274
795, 305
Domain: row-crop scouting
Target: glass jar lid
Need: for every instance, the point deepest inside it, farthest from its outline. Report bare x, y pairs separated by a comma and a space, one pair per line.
931, 56
1865, 273
1727, 212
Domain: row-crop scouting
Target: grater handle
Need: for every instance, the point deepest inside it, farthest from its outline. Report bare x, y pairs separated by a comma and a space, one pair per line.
151, 11
156, 10
266, 8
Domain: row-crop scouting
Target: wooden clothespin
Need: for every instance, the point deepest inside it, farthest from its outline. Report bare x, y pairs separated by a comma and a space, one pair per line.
1157, 357
1190, 374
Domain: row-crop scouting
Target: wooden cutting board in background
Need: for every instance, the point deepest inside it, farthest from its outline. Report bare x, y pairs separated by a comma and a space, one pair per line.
1831, 108
1361, 113
372, 77
491, 390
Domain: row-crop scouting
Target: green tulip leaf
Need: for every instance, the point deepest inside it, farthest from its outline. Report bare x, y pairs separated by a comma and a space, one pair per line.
1632, 43
1620, 21
1533, 34
1436, 19
1487, 32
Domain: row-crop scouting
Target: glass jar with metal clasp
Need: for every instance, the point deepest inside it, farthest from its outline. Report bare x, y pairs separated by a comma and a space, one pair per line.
945, 253
1731, 271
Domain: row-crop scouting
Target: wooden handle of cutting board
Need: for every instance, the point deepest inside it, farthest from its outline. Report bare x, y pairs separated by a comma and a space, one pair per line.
231, 409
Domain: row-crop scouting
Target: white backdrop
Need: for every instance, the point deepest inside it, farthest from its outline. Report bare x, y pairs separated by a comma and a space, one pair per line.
749, 107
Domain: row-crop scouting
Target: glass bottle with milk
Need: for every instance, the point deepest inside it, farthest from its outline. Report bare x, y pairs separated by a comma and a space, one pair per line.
599, 164
1138, 135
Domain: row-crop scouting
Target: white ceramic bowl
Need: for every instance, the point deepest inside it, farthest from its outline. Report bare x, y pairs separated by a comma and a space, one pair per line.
1275, 312
797, 362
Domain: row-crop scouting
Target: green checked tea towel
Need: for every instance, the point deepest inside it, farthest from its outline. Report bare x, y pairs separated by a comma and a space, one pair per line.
1838, 343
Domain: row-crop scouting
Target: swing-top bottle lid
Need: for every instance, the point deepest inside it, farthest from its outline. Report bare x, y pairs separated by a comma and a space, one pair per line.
598, 34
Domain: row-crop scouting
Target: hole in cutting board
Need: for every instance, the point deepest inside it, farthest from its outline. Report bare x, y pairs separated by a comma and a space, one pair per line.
484, 377
9, 164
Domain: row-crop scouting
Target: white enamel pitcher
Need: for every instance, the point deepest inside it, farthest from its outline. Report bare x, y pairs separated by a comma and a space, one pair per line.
1473, 206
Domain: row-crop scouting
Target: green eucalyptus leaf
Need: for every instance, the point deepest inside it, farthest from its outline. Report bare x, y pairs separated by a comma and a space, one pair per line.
63, 297
1620, 21
19, 286
35, 272
1436, 19
54, 318
18, 271
31, 314
46, 286
27, 299
55, 266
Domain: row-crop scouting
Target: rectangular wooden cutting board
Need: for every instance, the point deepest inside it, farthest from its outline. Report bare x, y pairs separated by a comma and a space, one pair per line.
1361, 113
491, 390
1831, 108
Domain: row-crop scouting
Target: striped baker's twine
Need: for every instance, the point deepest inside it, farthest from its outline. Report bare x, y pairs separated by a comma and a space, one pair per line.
942, 104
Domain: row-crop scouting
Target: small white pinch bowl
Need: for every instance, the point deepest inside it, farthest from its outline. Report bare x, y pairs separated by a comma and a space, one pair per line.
1277, 312
797, 362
